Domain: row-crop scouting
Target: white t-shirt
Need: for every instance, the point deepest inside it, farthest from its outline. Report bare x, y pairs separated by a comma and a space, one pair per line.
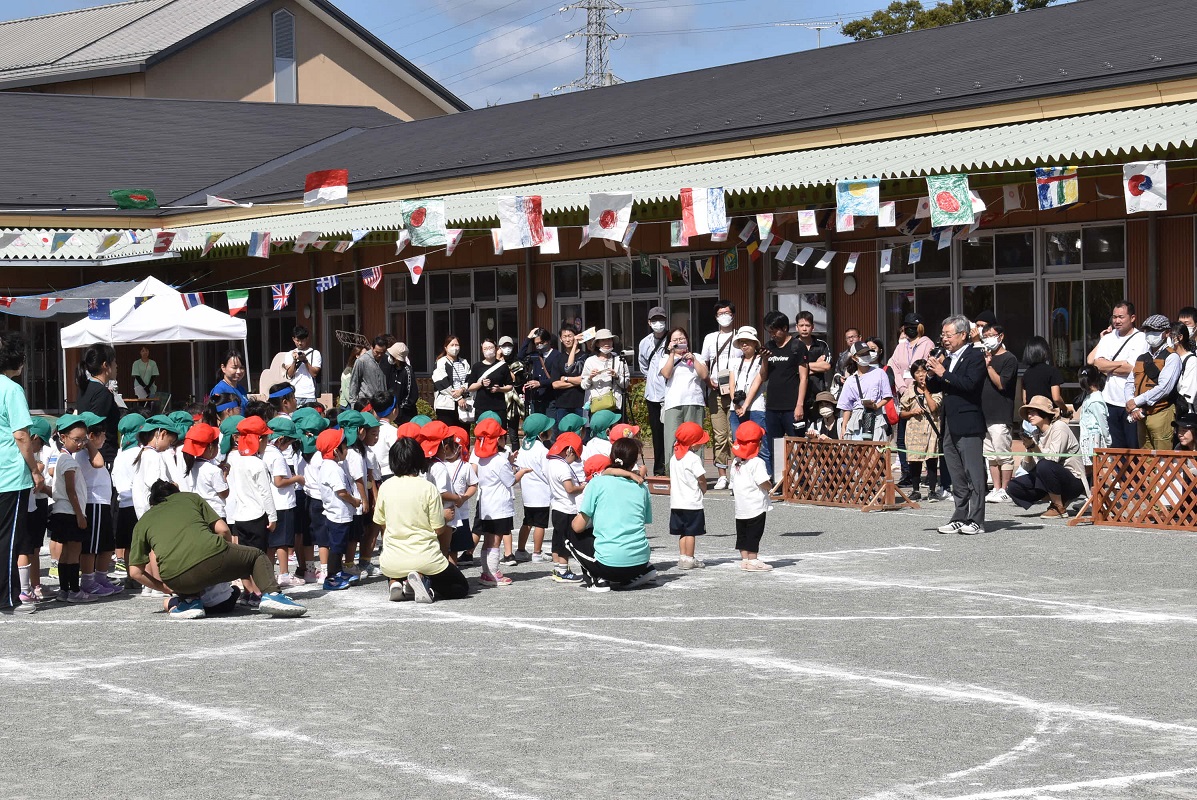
278, 465
746, 479
595, 447
684, 477
496, 487
207, 480
149, 469
355, 465
250, 490
684, 387
176, 467
456, 477
68, 463
122, 477
99, 480
1120, 388
717, 360
558, 472
387, 435
534, 487
305, 385
335, 478
746, 371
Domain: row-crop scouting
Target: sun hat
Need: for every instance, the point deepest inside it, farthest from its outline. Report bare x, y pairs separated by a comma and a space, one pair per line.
686, 436
421, 420
398, 351
350, 421
596, 464
623, 431
282, 427
228, 426
90, 419
491, 416
461, 436
566, 440
408, 430
250, 432
601, 422
746, 333
487, 435
128, 428
603, 333
182, 421
199, 437
431, 436
748, 440
1041, 404
825, 397
328, 441
68, 421
158, 422
40, 428
570, 423
1188, 420
534, 425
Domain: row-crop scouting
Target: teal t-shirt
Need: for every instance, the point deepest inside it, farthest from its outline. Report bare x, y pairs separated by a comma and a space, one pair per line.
619, 509
14, 416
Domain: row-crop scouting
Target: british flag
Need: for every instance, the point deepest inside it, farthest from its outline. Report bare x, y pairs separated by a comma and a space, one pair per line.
326, 283
282, 295
372, 277
193, 299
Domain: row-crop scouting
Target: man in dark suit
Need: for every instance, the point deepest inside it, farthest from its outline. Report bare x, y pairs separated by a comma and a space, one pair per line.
961, 375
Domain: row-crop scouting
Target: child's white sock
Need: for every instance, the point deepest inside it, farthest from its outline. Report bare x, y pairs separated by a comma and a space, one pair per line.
491, 556
26, 587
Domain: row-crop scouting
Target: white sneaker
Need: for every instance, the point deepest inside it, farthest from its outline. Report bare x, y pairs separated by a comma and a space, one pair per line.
721, 484
689, 562
996, 496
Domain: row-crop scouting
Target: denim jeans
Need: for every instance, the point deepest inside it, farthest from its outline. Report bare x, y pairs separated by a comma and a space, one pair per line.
766, 452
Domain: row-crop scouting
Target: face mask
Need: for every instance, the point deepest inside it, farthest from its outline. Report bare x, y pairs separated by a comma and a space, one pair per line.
488, 353
1028, 429
544, 348
866, 359
724, 320
911, 333
506, 350
658, 327
1192, 330
1154, 340
453, 351
606, 350
826, 411
990, 343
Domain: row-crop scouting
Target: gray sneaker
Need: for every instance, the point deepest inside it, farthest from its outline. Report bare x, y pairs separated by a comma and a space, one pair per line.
421, 588
951, 527
689, 562
970, 529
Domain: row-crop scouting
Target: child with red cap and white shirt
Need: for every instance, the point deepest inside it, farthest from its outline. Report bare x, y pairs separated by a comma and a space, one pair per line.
562, 469
687, 485
496, 497
251, 499
339, 503
751, 482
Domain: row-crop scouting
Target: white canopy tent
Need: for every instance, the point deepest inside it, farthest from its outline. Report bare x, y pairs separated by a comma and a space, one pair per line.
160, 318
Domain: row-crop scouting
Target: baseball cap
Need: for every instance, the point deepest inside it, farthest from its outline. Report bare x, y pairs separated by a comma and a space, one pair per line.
657, 311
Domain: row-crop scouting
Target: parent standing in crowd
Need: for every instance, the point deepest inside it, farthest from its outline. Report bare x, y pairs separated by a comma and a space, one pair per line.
368, 379
863, 398
748, 386
570, 396
145, 374
303, 366
1115, 354
1041, 378
605, 377
516, 407
997, 403
97, 366
650, 354
915, 346
355, 352
1154, 377
18, 468
720, 354
489, 381
787, 375
818, 362
959, 375
449, 380
685, 376
402, 383
544, 364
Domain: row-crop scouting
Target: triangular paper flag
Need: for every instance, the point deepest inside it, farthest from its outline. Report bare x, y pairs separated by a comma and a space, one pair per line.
803, 256
1011, 198
719, 236
944, 238
551, 245
747, 231
107, 242
452, 239
850, 267
924, 209
210, 242
825, 261
979, 205
887, 260
416, 267
887, 214
585, 236
359, 234
402, 240
60, 240
677, 238
783, 252
496, 238
916, 252
629, 233
305, 240
764, 223
808, 224
844, 222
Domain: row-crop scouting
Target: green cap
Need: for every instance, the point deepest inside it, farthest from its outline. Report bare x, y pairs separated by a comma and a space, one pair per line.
159, 422
40, 428
370, 421
281, 426
492, 415
307, 443
228, 426
68, 421
310, 422
182, 421
129, 426
421, 420
601, 422
92, 420
304, 413
349, 421
535, 425
570, 423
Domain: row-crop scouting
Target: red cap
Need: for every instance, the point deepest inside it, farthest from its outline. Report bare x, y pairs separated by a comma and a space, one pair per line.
328, 441
596, 464
431, 436
623, 431
564, 440
487, 435
459, 435
252, 429
686, 436
408, 430
199, 438
748, 440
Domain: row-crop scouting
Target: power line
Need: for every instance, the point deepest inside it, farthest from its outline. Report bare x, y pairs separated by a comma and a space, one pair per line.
487, 66
551, 8
599, 34
467, 22
520, 74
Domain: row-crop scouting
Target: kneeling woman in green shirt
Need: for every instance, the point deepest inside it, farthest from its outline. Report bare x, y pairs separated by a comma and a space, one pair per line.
415, 535
618, 504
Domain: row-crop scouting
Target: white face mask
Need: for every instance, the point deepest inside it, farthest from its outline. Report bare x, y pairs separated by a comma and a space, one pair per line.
826, 411
990, 343
606, 350
1154, 340
488, 354
867, 359
453, 351
1192, 330
658, 327
506, 350
724, 320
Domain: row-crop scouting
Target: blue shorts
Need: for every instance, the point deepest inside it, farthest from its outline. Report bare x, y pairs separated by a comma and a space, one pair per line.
316, 522
336, 533
462, 539
303, 519
283, 534
687, 522
357, 527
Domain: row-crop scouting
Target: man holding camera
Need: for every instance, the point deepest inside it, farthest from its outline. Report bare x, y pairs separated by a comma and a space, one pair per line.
544, 364
303, 366
721, 357
960, 372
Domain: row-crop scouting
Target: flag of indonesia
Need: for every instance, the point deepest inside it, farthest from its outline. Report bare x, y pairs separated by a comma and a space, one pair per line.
330, 186
703, 212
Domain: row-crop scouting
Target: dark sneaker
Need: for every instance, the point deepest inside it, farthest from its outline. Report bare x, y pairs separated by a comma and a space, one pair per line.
421, 588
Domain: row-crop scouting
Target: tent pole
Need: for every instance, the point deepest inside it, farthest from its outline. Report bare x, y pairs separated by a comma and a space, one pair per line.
64, 379
194, 385
249, 384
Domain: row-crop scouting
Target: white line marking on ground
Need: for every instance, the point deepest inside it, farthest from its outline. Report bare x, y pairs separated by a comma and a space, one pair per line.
1120, 782
971, 694
1120, 614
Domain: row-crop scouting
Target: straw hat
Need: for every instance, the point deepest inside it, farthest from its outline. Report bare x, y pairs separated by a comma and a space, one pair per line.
1040, 404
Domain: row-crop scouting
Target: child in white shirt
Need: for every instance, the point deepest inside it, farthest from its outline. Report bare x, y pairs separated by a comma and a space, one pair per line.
687, 485
283, 484
496, 497
563, 471
339, 504
534, 486
455, 479
251, 507
68, 517
751, 483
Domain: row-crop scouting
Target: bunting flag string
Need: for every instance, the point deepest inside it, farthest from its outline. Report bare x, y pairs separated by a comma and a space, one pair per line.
238, 301
281, 294
372, 277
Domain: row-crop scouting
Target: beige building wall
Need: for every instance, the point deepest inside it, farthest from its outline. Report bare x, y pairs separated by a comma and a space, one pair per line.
113, 86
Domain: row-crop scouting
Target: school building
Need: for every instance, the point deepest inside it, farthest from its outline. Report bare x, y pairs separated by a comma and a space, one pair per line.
993, 98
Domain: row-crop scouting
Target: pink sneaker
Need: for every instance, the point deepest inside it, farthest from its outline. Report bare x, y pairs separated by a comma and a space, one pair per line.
312, 575
287, 581
497, 579
97, 589
755, 565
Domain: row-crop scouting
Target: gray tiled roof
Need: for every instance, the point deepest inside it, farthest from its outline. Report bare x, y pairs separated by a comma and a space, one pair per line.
1065, 49
63, 150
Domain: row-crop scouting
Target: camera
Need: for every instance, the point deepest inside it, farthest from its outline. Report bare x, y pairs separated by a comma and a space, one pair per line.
938, 352
738, 398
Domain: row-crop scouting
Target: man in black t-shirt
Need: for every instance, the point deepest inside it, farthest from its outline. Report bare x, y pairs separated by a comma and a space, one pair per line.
997, 404
786, 382
818, 361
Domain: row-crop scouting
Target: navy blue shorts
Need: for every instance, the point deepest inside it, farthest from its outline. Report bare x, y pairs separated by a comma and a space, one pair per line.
687, 522
463, 538
303, 519
495, 527
316, 522
337, 534
283, 534
357, 527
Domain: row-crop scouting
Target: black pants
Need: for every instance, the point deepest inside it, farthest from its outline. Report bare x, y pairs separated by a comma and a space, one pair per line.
450, 418
13, 507
448, 585
582, 548
915, 470
1123, 434
237, 562
1048, 477
660, 457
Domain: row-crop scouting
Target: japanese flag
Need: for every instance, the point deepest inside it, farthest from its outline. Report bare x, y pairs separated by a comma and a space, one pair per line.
610, 215
416, 267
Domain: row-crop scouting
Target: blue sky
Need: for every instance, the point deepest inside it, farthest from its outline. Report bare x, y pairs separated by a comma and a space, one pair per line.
499, 51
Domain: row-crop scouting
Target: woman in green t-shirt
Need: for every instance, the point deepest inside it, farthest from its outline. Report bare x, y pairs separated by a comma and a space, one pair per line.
145, 374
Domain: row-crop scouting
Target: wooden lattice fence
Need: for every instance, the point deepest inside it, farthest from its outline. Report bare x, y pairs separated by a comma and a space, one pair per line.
1143, 489
841, 473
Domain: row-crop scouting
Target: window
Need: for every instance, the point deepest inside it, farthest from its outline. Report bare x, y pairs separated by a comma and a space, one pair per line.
1001, 253
286, 75
1094, 247
792, 303
1078, 310
1014, 305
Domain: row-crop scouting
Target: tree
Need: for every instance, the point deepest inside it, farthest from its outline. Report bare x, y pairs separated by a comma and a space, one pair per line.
910, 15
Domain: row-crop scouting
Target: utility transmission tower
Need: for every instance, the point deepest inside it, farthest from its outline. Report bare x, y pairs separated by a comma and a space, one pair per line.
817, 27
599, 34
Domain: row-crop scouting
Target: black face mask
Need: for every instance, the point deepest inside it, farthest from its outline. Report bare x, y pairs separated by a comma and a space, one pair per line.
912, 332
